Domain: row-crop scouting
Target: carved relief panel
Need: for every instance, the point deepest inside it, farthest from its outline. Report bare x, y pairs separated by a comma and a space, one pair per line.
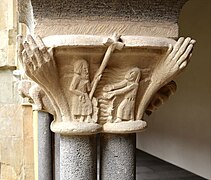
100, 84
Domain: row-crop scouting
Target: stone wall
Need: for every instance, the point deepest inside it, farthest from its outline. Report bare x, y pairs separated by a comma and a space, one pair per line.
16, 142
16, 133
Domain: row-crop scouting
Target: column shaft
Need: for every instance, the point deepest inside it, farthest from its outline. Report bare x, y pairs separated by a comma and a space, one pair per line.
118, 156
45, 162
57, 156
78, 157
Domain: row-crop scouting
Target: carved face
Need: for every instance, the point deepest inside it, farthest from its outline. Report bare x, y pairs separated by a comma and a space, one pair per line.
85, 71
81, 68
133, 75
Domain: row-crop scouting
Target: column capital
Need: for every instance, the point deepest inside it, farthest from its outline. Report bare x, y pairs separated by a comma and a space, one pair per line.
96, 86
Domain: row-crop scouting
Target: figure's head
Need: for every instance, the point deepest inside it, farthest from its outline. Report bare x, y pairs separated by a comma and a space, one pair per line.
133, 74
23, 89
81, 68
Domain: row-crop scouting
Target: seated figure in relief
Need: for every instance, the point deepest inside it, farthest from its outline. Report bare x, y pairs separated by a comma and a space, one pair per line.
80, 86
128, 87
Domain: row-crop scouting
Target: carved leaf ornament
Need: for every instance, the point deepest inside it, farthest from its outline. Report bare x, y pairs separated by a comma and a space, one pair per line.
100, 88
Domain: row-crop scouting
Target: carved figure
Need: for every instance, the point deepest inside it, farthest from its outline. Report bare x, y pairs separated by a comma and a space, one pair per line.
128, 87
36, 96
25, 91
80, 86
112, 43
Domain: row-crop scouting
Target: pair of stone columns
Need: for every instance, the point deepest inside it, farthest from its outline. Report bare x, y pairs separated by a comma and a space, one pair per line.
79, 157
76, 157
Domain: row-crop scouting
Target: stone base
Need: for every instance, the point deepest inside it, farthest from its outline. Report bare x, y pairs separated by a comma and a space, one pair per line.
75, 128
124, 127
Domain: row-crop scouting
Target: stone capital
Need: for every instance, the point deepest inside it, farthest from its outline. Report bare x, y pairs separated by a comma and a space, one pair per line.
95, 84
93, 81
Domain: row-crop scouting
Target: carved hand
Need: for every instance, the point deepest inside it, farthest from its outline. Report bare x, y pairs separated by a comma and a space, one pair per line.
107, 88
37, 60
82, 98
39, 65
109, 95
175, 60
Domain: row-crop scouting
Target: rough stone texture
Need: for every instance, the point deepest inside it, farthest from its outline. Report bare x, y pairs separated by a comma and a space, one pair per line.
122, 10
16, 139
8, 34
102, 17
26, 13
57, 156
16, 142
78, 157
118, 157
8, 88
45, 155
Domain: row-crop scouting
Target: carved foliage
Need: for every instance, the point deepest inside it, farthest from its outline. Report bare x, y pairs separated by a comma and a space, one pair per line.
105, 98
175, 60
39, 65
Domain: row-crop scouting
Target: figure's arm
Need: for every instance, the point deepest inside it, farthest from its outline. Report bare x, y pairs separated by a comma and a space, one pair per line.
125, 89
74, 84
88, 85
114, 86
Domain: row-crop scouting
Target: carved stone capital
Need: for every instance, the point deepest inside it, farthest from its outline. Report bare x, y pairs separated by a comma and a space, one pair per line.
95, 84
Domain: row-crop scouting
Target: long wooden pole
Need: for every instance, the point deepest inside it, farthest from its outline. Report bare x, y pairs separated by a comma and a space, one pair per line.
98, 74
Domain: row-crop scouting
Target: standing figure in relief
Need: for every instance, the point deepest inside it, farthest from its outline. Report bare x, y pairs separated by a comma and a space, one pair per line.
128, 87
80, 86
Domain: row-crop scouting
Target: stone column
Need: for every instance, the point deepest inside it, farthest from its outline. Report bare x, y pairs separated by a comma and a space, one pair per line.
78, 151
56, 156
78, 157
118, 158
93, 82
45, 145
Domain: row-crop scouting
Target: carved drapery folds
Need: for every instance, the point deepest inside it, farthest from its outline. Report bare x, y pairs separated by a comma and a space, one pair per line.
91, 85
